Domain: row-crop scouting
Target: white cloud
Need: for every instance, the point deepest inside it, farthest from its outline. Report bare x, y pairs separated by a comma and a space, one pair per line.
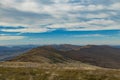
102, 22
94, 7
115, 6
59, 6
101, 15
27, 30
28, 5
96, 24
64, 15
5, 37
90, 35
13, 24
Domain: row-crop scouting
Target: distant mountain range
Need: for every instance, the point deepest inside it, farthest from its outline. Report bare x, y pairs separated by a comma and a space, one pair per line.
7, 52
116, 46
103, 56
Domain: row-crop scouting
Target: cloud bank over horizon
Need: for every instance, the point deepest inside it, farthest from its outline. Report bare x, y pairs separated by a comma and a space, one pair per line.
21, 19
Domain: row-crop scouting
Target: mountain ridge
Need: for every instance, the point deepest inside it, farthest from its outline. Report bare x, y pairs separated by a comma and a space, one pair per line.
103, 56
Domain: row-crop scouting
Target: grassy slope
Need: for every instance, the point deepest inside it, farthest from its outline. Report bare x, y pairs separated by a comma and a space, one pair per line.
57, 74
68, 71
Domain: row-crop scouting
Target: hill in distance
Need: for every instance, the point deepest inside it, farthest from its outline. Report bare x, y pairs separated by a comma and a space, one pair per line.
103, 56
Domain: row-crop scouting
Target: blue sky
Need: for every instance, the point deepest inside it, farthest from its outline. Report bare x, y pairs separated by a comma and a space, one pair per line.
78, 22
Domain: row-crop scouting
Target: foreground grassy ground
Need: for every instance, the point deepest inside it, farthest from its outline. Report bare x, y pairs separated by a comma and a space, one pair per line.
7, 73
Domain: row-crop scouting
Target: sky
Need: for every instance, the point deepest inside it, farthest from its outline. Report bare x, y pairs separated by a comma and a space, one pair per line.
40, 22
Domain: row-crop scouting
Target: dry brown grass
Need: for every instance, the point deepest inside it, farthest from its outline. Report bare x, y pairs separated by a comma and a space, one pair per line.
35, 71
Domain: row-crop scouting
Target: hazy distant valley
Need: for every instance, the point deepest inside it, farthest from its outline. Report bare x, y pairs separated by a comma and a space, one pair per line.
7, 52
